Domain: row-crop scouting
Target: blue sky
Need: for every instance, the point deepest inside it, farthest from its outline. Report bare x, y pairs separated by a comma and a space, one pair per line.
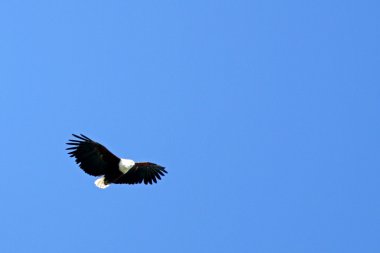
265, 114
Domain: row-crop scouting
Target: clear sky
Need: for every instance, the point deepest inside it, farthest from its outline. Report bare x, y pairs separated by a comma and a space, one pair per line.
265, 114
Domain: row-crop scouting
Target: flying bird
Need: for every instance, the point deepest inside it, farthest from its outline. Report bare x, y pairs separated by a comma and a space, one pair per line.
96, 160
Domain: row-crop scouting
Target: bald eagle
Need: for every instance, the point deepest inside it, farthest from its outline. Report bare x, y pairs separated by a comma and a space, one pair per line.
97, 160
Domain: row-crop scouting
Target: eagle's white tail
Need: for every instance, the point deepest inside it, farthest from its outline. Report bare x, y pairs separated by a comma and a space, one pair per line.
100, 183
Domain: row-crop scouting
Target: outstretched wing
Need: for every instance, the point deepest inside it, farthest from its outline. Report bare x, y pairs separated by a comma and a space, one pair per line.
142, 172
91, 156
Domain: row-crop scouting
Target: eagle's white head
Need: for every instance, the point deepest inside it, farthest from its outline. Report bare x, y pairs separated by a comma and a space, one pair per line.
125, 165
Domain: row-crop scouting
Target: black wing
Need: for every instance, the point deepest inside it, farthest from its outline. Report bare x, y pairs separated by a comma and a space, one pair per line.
91, 156
142, 172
